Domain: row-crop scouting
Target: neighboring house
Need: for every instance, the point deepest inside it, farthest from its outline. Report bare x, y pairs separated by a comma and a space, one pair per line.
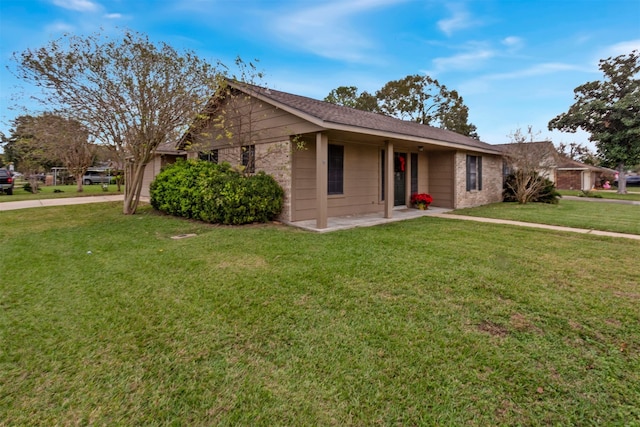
350, 162
573, 175
542, 156
165, 154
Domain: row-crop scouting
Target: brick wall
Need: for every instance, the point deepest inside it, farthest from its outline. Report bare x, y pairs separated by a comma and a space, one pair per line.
491, 181
275, 159
569, 180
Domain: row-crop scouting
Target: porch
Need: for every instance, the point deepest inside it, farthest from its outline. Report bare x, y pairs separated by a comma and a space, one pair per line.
400, 213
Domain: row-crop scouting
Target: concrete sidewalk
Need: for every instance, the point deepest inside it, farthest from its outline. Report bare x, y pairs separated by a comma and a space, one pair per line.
25, 204
535, 225
601, 200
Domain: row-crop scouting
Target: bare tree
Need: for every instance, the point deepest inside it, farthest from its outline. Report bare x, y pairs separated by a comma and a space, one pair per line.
529, 163
232, 120
129, 93
578, 152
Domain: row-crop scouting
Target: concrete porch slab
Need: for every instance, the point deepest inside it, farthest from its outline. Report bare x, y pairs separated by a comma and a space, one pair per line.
400, 213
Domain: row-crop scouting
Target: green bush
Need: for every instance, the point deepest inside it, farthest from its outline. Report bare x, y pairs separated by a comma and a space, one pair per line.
215, 193
547, 193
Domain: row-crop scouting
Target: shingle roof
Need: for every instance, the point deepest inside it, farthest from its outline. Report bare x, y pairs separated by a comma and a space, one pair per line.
567, 163
331, 116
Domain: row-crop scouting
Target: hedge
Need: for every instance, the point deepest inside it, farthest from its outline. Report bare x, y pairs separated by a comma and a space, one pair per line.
216, 193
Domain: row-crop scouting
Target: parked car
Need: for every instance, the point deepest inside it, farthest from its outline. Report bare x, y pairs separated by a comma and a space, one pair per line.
96, 177
632, 180
6, 182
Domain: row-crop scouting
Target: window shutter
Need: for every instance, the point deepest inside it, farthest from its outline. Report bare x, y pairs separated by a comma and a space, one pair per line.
468, 173
479, 161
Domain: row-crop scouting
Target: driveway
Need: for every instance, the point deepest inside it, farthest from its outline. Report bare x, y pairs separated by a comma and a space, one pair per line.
24, 204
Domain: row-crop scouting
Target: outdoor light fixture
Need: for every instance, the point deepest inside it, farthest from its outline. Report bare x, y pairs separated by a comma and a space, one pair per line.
421, 148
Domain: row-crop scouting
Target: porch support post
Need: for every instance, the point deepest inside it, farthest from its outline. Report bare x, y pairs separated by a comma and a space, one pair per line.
407, 182
388, 184
322, 142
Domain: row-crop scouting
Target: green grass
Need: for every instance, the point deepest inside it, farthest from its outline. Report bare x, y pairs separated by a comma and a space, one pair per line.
423, 322
569, 213
48, 192
633, 193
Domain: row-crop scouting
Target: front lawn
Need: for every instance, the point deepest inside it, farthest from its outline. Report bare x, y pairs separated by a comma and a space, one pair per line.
58, 192
569, 213
107, 320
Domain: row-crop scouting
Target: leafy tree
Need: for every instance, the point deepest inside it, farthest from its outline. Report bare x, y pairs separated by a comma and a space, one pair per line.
610, 111
417, 98
66, 140
348, 96
128, 93
30, 155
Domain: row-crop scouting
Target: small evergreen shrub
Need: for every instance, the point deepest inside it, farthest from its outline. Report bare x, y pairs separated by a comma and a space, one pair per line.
589, 193
546, 193
215, 193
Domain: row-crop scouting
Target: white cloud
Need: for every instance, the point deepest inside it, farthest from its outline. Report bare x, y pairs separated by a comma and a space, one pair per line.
460, 20
623, 48
513, 42
59, 27
536, 70
463, 61
79, 5
486, 83
113, 15
326, 30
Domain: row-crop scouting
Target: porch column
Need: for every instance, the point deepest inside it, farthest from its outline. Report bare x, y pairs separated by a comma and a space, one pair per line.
322, 142
407, 181
388, 184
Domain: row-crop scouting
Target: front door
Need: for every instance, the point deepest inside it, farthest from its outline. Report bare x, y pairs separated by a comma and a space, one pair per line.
399, 179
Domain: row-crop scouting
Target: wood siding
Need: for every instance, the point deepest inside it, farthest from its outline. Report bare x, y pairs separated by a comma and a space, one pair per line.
153, 168
361, 182
441, 179
256, 123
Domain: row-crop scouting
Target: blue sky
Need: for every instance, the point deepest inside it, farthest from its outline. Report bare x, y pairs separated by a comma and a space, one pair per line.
515, 62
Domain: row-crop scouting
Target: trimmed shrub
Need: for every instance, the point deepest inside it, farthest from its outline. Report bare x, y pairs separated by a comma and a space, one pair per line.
216, 193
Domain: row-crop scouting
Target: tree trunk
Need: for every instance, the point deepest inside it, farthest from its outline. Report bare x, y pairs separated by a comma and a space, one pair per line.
80, 183
133, 189
622, 179
34, 185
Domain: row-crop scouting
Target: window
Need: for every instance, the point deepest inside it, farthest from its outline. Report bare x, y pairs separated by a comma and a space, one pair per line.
414, 173
249, 158
474, 173
382, 175
209, 156
335, 171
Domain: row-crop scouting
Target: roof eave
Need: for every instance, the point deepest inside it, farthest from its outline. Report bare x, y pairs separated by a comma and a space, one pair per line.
404, 137
348, 128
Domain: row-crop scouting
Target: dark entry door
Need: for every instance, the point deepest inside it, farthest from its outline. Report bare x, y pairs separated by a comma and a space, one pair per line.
400, 179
